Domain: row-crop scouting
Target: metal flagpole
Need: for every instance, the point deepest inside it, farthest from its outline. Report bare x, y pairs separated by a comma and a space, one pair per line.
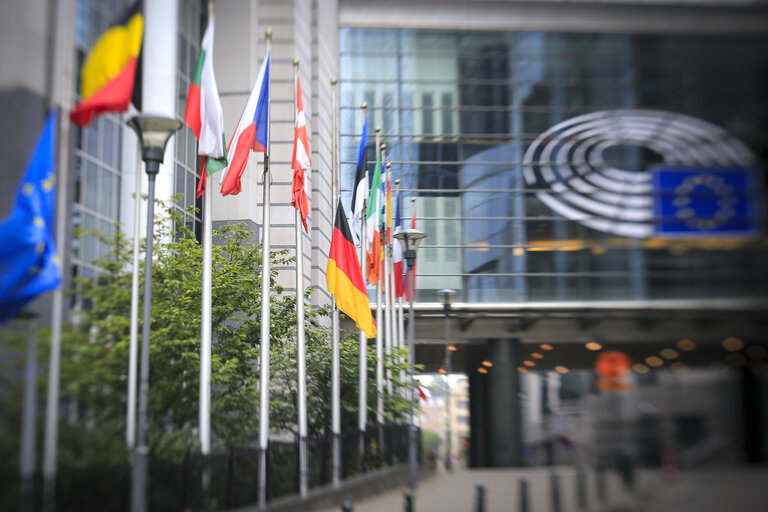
362, 414
265, 327
205, 324
60, 87
301, 343
379, 333
335, 357
133, 350
389, 283
29, 416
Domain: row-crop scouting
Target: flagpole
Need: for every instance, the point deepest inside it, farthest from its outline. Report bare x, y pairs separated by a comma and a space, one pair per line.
301, 342
379, 334
133, 349
265, 327
389, 278
362, 417
335, 357
205, 324
400, 318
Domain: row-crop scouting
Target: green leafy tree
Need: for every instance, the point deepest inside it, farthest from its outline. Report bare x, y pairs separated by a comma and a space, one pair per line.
95, 349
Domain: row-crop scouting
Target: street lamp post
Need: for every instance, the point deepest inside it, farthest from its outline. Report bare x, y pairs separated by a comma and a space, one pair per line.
410, 239
154, 132
446, 296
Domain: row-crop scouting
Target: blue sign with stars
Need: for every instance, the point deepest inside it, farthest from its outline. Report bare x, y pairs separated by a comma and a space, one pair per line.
705, 201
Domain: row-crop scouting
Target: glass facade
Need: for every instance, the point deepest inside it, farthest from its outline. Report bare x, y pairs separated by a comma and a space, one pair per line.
459, 111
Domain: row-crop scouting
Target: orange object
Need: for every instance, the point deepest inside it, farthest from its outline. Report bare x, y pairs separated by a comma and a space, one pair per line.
612, 364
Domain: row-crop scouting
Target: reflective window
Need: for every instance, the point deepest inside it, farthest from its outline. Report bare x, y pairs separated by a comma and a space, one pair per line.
460, 111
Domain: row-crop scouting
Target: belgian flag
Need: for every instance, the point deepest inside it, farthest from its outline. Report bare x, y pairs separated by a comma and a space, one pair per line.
108, 73
345, 278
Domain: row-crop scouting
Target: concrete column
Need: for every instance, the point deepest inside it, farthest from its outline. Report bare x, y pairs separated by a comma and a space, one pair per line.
505, 426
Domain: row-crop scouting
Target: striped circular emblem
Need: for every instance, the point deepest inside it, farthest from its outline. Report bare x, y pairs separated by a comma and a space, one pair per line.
568, 165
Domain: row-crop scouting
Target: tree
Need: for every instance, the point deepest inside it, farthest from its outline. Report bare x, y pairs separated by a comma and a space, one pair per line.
95, 349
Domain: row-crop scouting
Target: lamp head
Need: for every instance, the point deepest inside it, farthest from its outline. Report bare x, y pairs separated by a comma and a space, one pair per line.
154, 132
410, 239
446, 296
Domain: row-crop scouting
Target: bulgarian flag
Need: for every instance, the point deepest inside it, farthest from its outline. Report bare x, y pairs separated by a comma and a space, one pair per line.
373, 225
300, 161
108, 73
204, 115
251, 132
345, 278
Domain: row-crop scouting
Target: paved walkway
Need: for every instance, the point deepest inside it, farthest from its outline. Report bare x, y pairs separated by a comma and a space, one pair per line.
720, 489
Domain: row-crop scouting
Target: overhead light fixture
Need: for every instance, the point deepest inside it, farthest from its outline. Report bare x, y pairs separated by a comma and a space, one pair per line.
679, 367
686, 345
561, 369
482, 370
733, 344
654, 361
452, 348
593, 345
537, 355
441, 370
546, 346
522, 369
528, 362
640, 368
487, 363
669, 353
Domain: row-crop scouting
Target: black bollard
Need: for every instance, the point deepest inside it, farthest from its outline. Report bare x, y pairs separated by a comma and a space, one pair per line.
479, 498
347, 506
523, 495
602, 491
554, 481
408, 501
581, 488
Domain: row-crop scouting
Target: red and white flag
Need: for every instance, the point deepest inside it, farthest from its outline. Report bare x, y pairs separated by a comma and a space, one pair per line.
300, 162
251, 133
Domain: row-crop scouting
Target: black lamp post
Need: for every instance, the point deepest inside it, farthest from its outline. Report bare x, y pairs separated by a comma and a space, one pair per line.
446, 296
410, 239
153, 132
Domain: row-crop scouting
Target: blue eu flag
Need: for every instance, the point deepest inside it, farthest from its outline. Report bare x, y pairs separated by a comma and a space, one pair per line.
29, 264
705, 202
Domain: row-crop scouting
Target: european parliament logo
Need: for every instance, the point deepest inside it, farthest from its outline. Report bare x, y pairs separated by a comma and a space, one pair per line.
703, 185
702, 201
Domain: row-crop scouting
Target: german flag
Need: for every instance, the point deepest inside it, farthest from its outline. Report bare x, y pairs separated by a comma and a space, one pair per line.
345, 278
107, 76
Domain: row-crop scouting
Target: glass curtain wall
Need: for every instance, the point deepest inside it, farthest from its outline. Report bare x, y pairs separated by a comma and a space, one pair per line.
458, 110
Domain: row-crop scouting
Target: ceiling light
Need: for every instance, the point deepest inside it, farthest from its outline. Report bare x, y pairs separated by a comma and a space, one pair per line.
528, 362
546, 346
561, 369
733, 344
669, 353
441, 370
537, 355
522, 369
482, 370
679, 367
640, 368
686, 345
654, 361
452, 348
487, 363
593, 345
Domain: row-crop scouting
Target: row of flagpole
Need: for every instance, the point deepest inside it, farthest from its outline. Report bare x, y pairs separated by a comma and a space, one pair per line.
208, 128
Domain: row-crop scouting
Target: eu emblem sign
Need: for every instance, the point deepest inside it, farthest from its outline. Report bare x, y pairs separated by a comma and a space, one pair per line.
704, 201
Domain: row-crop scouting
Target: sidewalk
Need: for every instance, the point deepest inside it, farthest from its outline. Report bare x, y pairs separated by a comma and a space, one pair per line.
449, 492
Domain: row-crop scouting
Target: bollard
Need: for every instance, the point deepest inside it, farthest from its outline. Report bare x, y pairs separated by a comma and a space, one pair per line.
602, 493
523, 495
554, 481
408, 501
347, 506
581, 488
479, 498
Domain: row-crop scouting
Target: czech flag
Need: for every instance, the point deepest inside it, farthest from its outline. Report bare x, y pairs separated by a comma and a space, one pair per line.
345, 278
251, 133
107, 76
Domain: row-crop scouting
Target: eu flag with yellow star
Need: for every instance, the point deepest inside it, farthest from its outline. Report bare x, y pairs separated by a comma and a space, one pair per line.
29, 264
